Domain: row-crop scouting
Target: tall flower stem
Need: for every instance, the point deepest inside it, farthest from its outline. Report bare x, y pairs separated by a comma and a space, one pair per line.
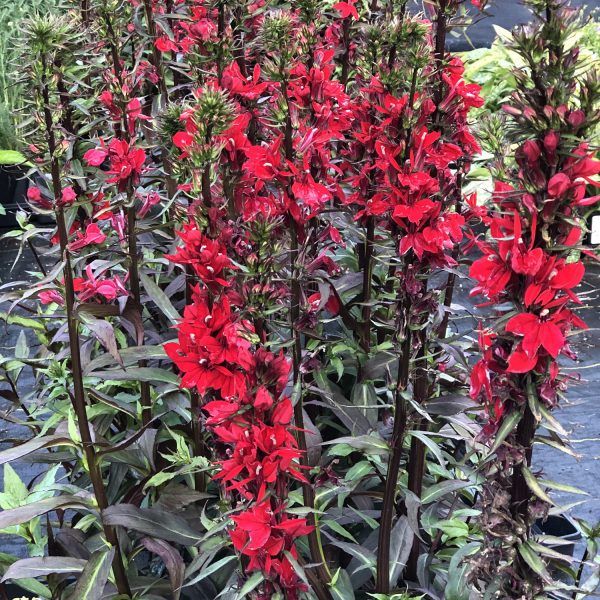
156, 58
120, 127
367, 288
397, 446
520, 492
346, 55
451, 280
78, 397
421, 384
416, 464
157, 63
314, 538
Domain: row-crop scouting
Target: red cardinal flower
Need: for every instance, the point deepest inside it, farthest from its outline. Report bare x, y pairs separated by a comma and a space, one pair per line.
211, 352
92, 235
110, 288
265, 162
206, 256
538, 331
247, 88
126, 163
96, 156
347, 9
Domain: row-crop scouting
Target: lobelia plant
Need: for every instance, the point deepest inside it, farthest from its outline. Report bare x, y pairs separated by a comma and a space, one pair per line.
276, 148
243, 374
532, 262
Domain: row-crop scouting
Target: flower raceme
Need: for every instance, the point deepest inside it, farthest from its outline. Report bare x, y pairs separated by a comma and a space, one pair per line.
211, 352
126, 161
207, 257
251, 424
521, 266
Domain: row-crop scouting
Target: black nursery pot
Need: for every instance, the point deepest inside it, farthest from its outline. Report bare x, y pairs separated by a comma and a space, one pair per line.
560, 526
13, 191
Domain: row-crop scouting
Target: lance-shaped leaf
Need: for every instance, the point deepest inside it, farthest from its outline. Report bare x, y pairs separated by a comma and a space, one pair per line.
442, 488
369, 444
508, 425
29, 584
400, 546
130, 356
151, 374
23, 514
152, 522
42, 566
206, 571
349, 415
160, 299
251, 584
532, 558
341, 586
47, 441
534, 485
104, 332
92, 580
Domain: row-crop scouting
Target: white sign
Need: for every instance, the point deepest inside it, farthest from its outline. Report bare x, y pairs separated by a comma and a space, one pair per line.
595, 238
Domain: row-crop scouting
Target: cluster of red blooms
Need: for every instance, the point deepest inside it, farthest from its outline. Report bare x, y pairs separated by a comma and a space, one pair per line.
247, 412
123, 161
406, 181
528, 263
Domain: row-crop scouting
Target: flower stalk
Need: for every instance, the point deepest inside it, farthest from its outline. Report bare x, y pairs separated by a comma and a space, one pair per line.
78, 397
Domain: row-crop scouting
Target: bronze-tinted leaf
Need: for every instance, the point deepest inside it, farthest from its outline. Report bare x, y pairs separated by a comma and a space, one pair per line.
47, 441
43, 565
22, 514
152, 522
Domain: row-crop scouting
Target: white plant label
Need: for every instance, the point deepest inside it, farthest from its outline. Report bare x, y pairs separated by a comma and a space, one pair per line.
595, 238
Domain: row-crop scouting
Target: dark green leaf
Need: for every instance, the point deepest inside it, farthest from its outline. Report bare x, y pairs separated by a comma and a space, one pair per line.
441, 489
341, 588
206, 571
508, 425
151, 374
349, 415
534, 485
130, 356
251, 584
532, 559
369, 444
450, 405
160, 299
